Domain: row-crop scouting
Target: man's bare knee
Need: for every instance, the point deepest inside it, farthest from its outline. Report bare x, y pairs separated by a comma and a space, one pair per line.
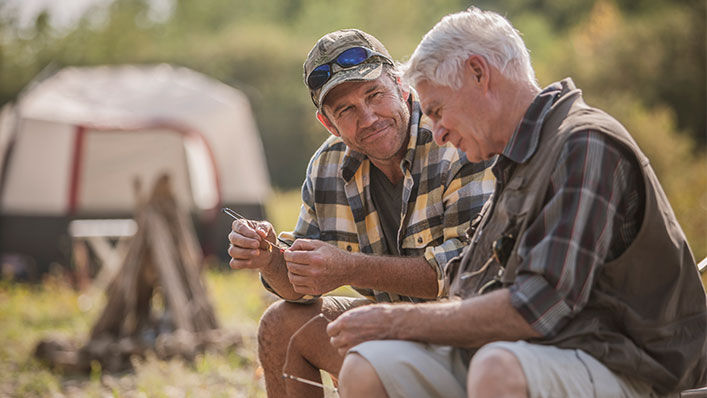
358, 378
496, 372
267, 328
282, 319
279, 322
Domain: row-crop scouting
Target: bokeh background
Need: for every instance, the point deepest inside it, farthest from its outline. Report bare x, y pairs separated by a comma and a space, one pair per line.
643, 61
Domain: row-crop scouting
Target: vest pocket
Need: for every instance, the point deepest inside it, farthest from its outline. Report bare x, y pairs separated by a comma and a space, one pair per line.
479, 281
486, 270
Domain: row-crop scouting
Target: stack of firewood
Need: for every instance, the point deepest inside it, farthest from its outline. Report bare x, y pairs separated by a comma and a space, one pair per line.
157, 301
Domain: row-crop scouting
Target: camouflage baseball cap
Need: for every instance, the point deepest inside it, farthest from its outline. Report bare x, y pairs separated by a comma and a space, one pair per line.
330, 46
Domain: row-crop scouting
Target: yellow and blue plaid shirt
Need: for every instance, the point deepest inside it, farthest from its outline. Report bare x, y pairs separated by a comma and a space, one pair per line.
442, 192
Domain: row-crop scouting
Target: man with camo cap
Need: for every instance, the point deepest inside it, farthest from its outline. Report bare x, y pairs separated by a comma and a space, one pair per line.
383, 210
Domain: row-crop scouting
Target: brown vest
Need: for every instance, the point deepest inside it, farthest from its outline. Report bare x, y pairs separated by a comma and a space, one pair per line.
646, 316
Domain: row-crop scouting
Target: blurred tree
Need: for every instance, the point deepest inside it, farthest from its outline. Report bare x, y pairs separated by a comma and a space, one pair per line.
659, 57
614, 74
642, 61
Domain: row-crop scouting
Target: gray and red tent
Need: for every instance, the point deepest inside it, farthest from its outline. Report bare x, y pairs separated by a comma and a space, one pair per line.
73, 143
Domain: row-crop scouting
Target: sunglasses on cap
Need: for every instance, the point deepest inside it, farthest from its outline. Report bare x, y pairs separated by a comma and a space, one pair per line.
349, 58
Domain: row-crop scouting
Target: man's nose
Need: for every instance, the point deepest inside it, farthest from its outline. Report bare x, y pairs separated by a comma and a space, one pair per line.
367, 116
440, 134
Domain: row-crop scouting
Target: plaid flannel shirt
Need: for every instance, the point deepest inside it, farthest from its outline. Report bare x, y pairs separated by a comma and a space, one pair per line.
591, 215
442, 192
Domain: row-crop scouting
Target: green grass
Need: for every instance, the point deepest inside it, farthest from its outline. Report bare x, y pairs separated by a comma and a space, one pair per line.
29, 313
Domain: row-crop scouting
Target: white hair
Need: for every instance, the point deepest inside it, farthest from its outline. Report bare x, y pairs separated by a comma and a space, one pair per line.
440, 56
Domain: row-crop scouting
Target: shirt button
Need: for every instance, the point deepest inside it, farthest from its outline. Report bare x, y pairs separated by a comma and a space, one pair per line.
419, 239
349, 248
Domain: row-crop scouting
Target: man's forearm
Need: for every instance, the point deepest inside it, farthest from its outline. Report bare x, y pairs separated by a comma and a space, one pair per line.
408, 276
466, 323
275, 274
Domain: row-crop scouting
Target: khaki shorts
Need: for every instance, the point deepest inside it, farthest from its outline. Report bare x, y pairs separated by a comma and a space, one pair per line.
344, 303
409, 369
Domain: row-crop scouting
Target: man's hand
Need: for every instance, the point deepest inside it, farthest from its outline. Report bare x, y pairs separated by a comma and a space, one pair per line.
370, 322
249, 247
315, 267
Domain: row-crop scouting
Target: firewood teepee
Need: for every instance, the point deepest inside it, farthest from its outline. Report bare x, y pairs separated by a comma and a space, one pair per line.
157, 300
164, 253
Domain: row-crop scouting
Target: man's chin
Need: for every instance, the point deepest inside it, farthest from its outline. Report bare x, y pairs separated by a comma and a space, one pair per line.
377, 136
473, 157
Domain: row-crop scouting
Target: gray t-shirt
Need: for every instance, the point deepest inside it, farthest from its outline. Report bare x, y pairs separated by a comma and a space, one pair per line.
387, 198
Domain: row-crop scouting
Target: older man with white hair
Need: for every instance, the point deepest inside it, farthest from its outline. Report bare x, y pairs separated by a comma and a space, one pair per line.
578, 280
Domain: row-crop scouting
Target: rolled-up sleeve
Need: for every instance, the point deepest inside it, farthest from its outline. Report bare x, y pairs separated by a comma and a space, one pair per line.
470, 185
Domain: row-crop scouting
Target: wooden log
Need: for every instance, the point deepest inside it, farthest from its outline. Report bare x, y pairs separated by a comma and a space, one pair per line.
61, 354
164, 258
120, 291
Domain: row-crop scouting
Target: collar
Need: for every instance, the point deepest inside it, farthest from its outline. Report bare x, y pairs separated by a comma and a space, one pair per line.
524, 141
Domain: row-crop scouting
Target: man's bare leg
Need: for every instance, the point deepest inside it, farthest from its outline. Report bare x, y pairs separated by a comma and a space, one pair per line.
309, 351
496, 372
360, 379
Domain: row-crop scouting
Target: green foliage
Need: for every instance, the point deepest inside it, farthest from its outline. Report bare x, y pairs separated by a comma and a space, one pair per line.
283, 209
624, 77
658, 58
643, 62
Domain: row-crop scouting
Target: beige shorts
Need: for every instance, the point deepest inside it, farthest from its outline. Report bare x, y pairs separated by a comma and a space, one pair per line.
344, 303
409, 369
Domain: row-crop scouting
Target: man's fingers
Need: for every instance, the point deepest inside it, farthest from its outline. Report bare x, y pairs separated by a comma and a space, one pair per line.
244, 228
304, 289
240, 253
262, 231
241, 264
297, 280
299, 269
306, 244
301, 284
240, 240
346, 322
342, 345
334, 328
297, 256
265, 230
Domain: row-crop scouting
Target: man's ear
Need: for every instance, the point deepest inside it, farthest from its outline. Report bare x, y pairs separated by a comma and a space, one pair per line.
479, 70
404, 91
328, 124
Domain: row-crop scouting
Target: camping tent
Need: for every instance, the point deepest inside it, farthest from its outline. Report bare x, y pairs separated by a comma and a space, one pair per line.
74, 143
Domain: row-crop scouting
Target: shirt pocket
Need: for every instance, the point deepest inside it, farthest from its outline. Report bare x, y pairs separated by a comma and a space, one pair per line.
416, 242
424, 227
352, 247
